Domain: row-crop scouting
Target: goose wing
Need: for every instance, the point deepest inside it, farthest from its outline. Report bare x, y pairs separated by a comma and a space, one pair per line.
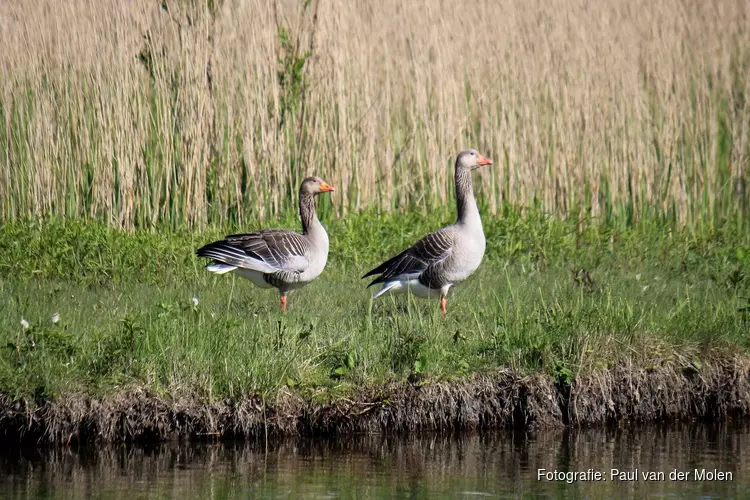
424, 257
267, 251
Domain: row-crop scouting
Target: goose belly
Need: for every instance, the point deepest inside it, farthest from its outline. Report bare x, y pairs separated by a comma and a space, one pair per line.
412, 286
256, 277
292, 281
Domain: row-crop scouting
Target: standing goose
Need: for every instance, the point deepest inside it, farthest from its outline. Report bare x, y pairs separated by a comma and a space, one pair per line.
445, 257
277, 258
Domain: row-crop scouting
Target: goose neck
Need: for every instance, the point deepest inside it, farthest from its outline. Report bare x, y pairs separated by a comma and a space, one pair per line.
307, 212
465, 201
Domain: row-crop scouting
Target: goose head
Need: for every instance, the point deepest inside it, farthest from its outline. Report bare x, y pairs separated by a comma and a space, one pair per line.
471, 159
315, 185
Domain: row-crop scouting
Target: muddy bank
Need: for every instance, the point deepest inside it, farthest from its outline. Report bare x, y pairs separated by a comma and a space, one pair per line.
624, 393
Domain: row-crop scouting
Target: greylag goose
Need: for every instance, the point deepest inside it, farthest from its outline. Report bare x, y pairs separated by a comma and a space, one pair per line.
277, 258
443, 258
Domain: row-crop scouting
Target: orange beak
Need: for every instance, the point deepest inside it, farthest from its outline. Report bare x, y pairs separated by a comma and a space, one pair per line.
326, 188
482, 161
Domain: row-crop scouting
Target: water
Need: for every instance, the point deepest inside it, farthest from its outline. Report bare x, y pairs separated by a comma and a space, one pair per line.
488, 465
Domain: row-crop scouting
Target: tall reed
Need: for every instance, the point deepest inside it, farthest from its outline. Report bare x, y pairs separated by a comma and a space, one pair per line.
200, 112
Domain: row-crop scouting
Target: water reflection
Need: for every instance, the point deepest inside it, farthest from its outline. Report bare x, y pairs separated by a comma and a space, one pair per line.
498, 464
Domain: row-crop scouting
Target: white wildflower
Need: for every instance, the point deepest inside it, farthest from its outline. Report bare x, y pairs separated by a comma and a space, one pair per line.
638, 277
25, 324
55, 318
195, 301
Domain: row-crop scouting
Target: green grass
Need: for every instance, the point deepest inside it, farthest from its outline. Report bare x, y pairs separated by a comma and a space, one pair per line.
128, 319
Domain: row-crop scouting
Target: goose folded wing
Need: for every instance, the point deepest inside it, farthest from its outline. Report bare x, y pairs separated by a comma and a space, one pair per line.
267, 251
428, 252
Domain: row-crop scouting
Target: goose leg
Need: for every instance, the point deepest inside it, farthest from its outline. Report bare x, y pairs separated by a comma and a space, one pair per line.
283, 303
443, 306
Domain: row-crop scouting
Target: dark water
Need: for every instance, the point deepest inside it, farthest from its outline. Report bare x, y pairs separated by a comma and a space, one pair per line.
489, 465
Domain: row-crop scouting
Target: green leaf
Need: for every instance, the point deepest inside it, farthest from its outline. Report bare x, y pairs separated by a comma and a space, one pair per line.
463, 366
420, 364
350, 361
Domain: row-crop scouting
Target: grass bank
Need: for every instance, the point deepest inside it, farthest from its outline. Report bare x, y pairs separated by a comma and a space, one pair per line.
563, 323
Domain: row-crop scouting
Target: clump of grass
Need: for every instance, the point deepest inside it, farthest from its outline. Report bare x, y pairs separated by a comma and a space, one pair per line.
204, 113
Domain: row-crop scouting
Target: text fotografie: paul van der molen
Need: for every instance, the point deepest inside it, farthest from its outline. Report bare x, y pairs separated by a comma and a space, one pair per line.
634, 475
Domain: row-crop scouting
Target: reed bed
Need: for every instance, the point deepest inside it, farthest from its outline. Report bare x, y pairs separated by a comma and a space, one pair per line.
196, 113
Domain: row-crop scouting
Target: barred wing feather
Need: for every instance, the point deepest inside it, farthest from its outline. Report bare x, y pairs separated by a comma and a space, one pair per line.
423, 258
267, 251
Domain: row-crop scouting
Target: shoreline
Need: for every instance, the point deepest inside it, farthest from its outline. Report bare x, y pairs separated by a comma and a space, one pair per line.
145, 346
627, 392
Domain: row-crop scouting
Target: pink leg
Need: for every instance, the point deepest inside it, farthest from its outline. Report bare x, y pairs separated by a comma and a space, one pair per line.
443, 306
283, 303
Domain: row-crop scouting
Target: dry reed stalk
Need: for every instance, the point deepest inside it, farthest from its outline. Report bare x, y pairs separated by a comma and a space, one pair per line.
142, 115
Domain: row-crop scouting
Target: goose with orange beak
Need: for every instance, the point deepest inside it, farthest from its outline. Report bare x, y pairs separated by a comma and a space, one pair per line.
446, 257
277, 258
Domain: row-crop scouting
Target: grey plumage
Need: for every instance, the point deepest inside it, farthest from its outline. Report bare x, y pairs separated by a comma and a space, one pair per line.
271, 247
422, 260
277, 258
447, 256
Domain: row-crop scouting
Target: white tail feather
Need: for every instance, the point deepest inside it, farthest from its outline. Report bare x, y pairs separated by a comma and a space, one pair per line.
219, 268
386, 288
